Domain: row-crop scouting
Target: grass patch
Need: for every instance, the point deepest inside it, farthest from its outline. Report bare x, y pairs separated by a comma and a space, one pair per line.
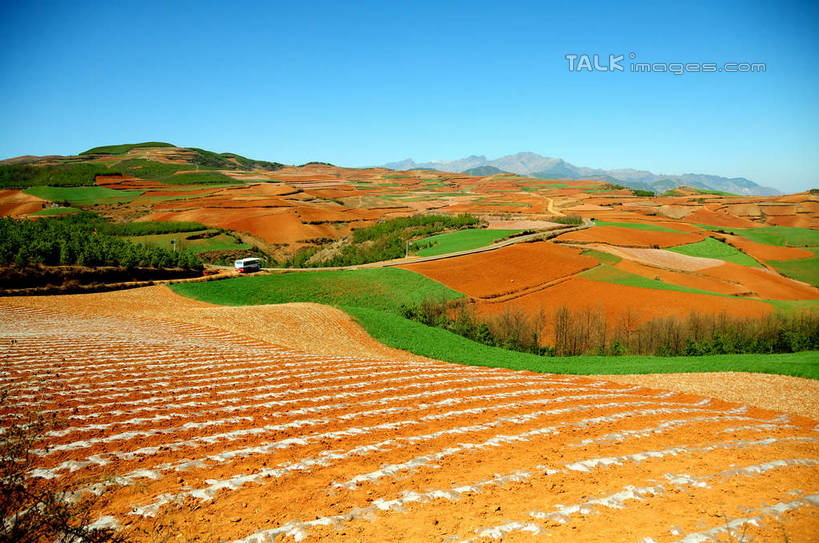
790, 307
169, 198
80, 196
712, 248
461, 240
604, 258
123, 148
56, 211
716, 192
607, 274
219, 242
384, 289
400, 333
143, 228
785, 236
803, 269
202, 178
506, 204
639, 226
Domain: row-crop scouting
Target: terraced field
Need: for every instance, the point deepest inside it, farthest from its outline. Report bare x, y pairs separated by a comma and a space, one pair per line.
216, 436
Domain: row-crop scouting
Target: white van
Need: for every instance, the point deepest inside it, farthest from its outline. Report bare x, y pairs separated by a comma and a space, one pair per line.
246, 265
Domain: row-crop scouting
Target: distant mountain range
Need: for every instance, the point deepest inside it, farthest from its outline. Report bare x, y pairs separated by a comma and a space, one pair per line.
535, 165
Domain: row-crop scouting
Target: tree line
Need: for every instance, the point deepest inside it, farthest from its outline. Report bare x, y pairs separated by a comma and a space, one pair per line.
81, 239
587, 331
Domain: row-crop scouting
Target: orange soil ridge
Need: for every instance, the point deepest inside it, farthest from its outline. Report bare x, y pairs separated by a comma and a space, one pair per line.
214, 435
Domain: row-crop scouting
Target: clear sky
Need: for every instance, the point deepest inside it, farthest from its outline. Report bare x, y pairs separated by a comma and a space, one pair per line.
364, 83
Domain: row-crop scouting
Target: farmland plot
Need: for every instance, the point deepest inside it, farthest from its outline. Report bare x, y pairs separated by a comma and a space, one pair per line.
209, 435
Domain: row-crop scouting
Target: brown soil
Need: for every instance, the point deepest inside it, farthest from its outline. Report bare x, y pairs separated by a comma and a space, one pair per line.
660, 258
16, 203
763, 252
775, 392
616, 300
223, 437
765, 283
510, 269
691, 280
717, 218
629, 237
298, 326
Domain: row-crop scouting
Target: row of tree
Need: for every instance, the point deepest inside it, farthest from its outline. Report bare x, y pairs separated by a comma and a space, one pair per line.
82, 239
587, 331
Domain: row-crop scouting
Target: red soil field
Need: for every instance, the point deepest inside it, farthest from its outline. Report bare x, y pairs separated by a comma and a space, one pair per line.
274, 225
765, 283
630, 237
795, 221
510, 269
216, 436
719, 218
763, 251
691, 279
617, 300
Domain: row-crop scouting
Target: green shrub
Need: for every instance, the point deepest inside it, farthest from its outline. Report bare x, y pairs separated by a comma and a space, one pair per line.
152, 227
567, 219
63, 175
80, 239
123, 148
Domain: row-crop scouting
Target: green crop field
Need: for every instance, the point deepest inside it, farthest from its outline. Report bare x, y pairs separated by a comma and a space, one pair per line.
639, 226
56, 211
781, 235
607, 274
201, 178
712, 248
384, 289
803, 269
219, 242
460, 240
83, 196
784, 236
605, 258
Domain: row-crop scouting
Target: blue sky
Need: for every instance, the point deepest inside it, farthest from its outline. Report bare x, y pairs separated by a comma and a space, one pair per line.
365, 83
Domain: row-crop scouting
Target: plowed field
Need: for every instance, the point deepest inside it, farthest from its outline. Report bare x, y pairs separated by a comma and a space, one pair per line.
629, 237
508, 270
214, 436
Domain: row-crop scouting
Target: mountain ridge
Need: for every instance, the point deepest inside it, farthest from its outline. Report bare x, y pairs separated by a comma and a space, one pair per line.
532, 164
